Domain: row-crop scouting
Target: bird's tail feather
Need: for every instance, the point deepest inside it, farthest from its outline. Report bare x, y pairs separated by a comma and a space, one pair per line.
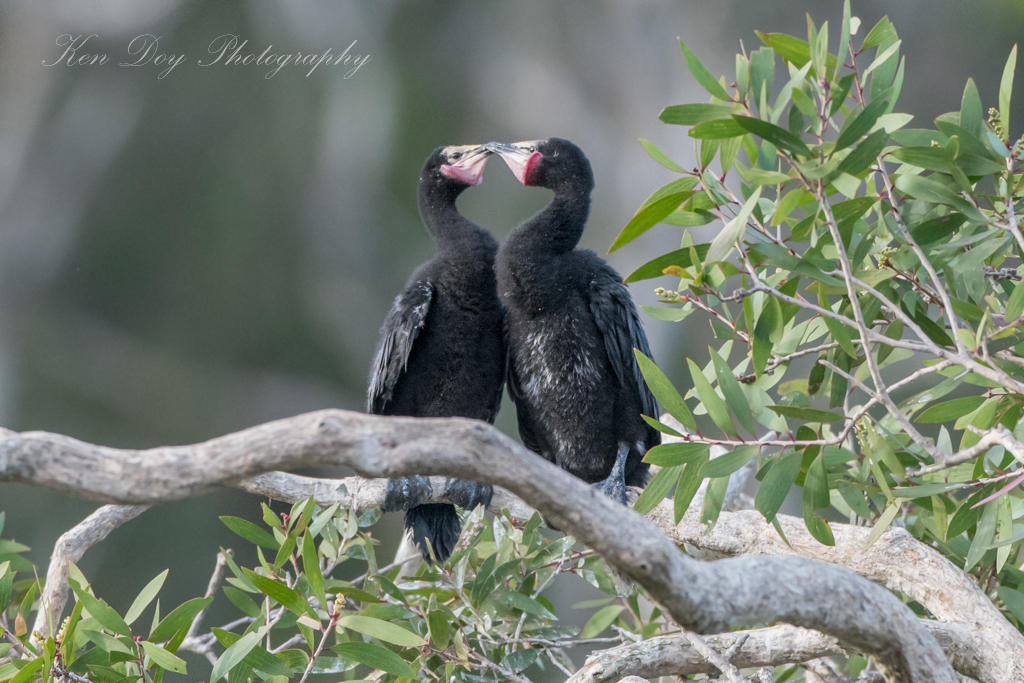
435, 521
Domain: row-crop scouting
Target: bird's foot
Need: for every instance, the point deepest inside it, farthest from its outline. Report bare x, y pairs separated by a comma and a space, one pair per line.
468, 494
615, 485
403, 493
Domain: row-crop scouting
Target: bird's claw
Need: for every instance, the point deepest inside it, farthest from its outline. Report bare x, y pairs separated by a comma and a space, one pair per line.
468, 494
403, 493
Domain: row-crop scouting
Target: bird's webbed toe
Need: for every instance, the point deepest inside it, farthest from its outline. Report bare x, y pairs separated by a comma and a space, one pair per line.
403, 493
468, 494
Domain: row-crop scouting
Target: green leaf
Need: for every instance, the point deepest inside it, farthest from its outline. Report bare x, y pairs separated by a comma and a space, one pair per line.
718, 129
779, 137
702, 75
656, 490
179, 619
769, 327
145, 597
1012, 599
261, 659
762, 70
816, 484
881, 32
757, 176
776, 483
714, 498
528, 604
817, 526
28, 671
793, 50
251, 532
854, 128
234, 655
724, 242
1005, 88
708, 150
933, 191
726, 464
242, 601
882, 524
163, 658
100, 611
937, 228
648, 217
983, 536
883, 57
930, 158
520, 660
6, 583
661, 157
924, 490
733, 393
375, 657
687, 486
280, 592
1015, 305
438, 629
693, 114
808, 414
674, 454
950, 410
382, 630
311, 566
688, 219
663, 390
970, 110
601, 620
710, 400
840, 332
865, 154
672, 315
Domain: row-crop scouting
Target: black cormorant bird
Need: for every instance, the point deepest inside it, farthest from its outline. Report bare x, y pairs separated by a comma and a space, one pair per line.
441, 351
571, 327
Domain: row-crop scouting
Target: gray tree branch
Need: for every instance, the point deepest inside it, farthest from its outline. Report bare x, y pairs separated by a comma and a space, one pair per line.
703, 597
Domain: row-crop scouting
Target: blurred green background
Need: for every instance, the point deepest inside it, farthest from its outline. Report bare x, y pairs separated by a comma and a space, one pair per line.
188, 256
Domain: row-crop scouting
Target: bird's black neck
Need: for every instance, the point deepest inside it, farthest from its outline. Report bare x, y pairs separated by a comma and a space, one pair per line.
456, 235
557, 229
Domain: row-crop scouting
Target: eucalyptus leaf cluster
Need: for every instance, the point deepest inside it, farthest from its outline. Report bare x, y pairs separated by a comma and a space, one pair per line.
481, 616
866, 299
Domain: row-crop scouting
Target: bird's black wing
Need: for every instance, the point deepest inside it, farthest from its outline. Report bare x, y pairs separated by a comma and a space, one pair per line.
619, 322
406, 318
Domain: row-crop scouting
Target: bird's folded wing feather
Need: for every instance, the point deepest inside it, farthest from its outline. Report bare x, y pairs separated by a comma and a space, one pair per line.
619, 322
405, 320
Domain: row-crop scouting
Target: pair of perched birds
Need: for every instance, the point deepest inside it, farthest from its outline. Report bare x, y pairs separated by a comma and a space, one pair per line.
556, 322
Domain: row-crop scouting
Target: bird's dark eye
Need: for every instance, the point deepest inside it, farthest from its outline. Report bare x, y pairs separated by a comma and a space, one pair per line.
533, 149
457, 155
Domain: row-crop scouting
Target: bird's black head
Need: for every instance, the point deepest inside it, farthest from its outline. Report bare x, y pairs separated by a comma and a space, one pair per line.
548, 163
455, 166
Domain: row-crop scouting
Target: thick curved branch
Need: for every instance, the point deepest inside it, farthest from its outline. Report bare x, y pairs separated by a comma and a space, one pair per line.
988, 647
703, 597
674, 655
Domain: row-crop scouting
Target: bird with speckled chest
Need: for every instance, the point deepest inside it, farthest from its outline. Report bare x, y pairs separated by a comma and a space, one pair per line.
571, 328
441, 351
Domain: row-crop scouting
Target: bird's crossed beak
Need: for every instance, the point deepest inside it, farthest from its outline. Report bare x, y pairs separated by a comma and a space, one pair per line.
521, 157
469, 168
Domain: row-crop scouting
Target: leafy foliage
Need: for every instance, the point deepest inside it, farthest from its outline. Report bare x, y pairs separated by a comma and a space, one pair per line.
854, 243
480, 616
